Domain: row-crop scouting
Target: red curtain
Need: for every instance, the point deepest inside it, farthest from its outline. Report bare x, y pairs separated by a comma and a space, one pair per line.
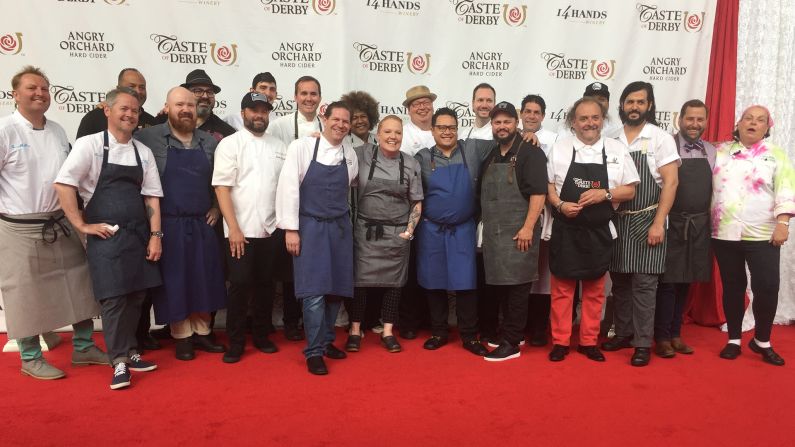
722, 80
704, 300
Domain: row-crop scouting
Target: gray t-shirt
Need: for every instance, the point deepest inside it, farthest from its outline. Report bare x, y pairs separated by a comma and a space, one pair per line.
476, 152
389, 169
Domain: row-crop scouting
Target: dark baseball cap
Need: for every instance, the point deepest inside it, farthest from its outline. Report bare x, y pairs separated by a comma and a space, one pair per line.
597, 88
251, 99
504, 107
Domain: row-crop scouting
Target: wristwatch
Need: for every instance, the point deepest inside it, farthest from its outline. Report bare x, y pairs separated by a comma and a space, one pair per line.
608, 195
157, 234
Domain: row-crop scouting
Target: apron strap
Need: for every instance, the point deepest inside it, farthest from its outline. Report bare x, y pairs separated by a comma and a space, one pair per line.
105, 149
317, 144
372, 164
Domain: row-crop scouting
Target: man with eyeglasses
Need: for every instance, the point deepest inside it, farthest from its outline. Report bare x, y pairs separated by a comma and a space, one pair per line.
202, 87
417, 132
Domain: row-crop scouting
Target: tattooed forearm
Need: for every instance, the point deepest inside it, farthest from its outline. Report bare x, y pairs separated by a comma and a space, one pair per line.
414, 217
149, 211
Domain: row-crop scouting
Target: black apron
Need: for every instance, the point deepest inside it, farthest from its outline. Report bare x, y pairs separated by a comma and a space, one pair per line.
503, 211
118, 264
581, 247
688, 258
382, 256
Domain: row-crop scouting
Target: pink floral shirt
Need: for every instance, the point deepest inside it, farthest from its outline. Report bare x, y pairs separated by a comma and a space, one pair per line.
751, 186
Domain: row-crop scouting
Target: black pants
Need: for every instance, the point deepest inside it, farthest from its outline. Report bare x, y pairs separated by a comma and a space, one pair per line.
251, 278
513, 300
145, 320
413, 310
466, 306
488, 304
538, 313
390, 303
763, 263
120, 315
671, 300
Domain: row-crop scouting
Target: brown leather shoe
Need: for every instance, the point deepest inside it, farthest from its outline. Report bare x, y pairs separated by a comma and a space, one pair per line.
680, 346
664, 349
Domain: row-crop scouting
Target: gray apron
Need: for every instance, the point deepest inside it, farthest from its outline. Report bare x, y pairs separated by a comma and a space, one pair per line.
44, 275
118, 264
383, 207
504, 210
631, 252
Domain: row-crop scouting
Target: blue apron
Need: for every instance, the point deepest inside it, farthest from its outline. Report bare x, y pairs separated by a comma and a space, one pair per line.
446, 239
118, 264
325, 263
193, 278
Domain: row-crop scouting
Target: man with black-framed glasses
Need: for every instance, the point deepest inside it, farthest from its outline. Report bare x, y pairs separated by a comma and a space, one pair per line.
202, 87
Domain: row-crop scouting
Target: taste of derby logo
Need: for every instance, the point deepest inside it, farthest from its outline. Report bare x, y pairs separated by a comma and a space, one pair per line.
418, 64
223, 55
391, 61
562, 67
11, 44
300, 7
603, 70
194, 52
479, 12
653, 18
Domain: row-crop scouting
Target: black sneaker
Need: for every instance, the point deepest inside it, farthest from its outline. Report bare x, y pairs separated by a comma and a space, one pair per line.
139, 364
121, 376
505, 351
476, 347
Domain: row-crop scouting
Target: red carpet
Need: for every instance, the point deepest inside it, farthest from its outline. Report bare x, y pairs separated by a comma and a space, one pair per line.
417, 398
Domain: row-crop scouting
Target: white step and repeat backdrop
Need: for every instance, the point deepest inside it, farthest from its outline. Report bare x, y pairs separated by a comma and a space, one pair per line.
551, 47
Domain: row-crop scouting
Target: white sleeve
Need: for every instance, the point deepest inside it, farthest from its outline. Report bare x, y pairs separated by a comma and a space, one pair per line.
288, 189
551, 165
151, 186
629, 174
78, 163
225, 167
666, 151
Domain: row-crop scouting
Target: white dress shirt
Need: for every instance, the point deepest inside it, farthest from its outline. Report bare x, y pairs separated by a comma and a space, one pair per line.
284, 127
299, 157
84, 164
546, 138
480, 133
29, 161
415, 139
658, 144
250, 166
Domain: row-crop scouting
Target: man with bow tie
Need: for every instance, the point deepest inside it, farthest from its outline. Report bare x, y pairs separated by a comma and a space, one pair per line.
688, 258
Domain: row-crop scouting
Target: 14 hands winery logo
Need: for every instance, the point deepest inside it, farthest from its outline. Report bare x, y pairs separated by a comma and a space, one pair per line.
194, 52
399, 7
562, 67
11, 44
653, 18
479, 12
300, 7
391, 61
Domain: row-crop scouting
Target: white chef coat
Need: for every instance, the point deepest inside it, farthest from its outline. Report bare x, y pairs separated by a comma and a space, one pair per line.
283, 127
659, 145
480, 133
415, 139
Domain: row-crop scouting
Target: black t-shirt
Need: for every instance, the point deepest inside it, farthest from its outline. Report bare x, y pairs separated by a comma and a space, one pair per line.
531, 166
95, 121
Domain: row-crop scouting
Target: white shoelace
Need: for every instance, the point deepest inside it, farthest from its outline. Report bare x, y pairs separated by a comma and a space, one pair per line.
120, 369
135, 358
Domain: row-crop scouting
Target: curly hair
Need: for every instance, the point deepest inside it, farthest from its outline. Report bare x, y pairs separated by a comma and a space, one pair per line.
362, 102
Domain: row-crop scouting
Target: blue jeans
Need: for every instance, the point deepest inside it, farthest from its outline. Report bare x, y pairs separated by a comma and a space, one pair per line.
320, 315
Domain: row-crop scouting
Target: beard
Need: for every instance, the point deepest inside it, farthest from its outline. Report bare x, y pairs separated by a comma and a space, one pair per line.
507, 139
204, 109
255, 126
184, 122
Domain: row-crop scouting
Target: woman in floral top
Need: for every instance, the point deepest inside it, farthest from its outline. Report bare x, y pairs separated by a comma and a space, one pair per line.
753, 199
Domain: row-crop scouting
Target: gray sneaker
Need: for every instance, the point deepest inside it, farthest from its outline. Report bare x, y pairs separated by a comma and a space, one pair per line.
40, 369
91, 356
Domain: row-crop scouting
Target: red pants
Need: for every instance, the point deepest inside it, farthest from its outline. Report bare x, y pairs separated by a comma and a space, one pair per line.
593, 297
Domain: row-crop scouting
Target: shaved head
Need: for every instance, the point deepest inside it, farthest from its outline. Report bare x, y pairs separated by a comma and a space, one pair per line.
181, 109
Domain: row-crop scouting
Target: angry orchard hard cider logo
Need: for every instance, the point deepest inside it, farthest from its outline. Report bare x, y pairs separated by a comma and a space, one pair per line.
479, 12
665, 69
87, 44
194, 52
296, 55
653, 18
391, 61
11, 44
71, 100
562, 67
300, 7
485, 63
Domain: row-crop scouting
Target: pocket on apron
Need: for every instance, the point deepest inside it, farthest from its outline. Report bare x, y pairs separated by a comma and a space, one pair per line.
638, 225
